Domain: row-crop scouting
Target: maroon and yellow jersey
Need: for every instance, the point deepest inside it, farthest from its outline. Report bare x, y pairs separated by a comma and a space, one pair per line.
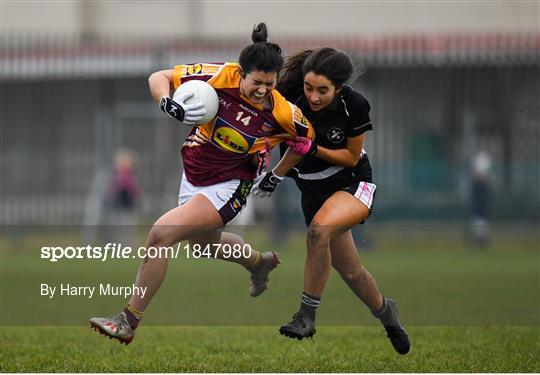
222, 149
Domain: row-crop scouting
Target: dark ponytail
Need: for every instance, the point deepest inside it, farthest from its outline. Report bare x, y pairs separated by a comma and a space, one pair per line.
291, 84
261, 55
333, 64
259, 33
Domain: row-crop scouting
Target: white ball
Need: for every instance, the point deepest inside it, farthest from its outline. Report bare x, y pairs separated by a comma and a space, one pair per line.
202, 92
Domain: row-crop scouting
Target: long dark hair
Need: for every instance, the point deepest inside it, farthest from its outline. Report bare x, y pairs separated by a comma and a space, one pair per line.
261, 55
334, 64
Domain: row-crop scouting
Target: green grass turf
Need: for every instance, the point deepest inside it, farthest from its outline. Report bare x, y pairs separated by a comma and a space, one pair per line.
262, 349
466, 311
432, 288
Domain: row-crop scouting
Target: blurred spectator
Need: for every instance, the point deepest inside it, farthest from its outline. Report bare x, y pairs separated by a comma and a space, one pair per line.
121, 199
480, 199
123, 190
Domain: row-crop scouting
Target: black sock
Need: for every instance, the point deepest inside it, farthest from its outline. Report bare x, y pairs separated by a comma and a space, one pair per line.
309, 304
384, 314
380, 313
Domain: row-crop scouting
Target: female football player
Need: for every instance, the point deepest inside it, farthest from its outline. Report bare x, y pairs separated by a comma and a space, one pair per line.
335, 180
218, 170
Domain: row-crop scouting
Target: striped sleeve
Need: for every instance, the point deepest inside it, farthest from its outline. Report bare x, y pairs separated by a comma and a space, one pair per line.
358, 109
199, 71
291, 118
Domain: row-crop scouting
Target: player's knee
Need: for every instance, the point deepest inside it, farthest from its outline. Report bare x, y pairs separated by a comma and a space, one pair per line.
317, 235
157, 236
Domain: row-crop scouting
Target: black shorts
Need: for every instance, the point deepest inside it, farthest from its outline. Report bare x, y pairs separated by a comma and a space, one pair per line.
312, 201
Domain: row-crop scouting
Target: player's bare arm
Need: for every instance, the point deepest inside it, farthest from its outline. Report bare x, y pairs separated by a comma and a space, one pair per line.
287, 162
160, 84
266, 186
347, 157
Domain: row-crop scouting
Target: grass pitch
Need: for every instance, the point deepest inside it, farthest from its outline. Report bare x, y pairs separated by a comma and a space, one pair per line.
465, 312
262, 349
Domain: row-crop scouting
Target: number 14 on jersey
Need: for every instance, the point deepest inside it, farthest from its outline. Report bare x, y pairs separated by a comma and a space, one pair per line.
243, 119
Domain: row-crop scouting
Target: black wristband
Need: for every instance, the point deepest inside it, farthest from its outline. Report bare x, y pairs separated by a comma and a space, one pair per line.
313, 149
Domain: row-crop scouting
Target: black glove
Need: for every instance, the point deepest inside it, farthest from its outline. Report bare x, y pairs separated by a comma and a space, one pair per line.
266, 186
172, 108
187, 114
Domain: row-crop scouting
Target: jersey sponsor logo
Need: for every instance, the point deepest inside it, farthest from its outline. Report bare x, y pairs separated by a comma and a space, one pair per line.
335, 135
236, 204
267, 127
193, 69
299, 117
224, 103
249, 110
245, 188
200, 70
230, 139
301, 124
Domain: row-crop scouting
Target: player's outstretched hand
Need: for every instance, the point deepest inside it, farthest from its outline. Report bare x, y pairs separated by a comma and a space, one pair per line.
187, 113
302, 146
266, 185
